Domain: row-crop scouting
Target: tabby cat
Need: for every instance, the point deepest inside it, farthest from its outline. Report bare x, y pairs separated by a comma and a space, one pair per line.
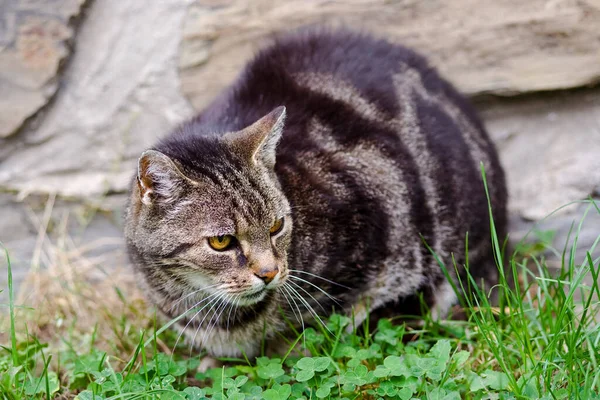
311, 184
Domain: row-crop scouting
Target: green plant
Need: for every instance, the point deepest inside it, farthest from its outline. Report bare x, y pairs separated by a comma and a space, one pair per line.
542, 341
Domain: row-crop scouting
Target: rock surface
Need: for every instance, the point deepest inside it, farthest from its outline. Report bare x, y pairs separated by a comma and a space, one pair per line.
549, 146
118, 95
34, 41
483, 46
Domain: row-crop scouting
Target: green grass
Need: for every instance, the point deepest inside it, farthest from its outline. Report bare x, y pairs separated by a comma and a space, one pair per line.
541, 341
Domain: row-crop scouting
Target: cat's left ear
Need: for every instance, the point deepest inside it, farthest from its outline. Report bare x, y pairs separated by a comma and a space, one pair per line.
258, 142
159, 179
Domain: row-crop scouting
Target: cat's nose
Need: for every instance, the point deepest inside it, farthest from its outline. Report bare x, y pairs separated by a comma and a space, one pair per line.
267, 274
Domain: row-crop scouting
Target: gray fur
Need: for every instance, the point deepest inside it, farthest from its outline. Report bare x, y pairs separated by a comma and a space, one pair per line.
364, 168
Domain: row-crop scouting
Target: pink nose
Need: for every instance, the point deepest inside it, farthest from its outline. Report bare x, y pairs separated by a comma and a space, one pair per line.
267, 274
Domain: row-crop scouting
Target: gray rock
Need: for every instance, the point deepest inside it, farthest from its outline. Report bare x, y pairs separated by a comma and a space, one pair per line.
489, 46
549, 146
119, 93
34, 41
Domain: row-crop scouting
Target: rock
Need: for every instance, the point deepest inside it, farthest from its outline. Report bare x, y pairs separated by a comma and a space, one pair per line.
34, 41
118, 95
563, 229
549, 146
489, 46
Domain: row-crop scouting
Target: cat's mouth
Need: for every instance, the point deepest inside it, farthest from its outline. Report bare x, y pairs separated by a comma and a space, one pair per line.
253, 297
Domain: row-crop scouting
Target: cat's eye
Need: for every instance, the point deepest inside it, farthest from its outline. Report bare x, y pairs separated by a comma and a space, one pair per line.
221, 243
277, 226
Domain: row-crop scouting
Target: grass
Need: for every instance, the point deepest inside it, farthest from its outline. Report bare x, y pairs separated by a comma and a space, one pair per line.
97, 339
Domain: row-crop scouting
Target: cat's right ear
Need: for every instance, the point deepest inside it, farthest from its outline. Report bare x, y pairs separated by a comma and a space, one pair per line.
159, 179
258, 142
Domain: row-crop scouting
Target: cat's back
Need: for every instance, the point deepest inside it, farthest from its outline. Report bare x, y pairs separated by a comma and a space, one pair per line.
341, 77
296, 68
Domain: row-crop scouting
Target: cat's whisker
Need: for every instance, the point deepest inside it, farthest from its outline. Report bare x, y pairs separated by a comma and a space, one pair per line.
282, 292
293, 299
319, 277
318, 288
194, 316
211, 325
214, 301
285, 287
307, 304
237, 305
308, 307
190, 294
236, 302
231, 303
310, 295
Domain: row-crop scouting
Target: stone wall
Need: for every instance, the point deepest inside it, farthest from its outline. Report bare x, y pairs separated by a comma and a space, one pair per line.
86, 86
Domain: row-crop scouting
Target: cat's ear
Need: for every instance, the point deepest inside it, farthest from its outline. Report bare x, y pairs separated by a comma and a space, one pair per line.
159, 179
258, 142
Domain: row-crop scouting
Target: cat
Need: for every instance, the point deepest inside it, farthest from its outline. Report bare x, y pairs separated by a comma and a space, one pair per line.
312, 184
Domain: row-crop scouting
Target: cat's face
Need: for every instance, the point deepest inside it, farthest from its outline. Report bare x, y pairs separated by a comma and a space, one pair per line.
219, 226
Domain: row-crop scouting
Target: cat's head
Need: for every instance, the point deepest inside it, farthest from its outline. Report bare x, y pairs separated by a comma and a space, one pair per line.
207, 213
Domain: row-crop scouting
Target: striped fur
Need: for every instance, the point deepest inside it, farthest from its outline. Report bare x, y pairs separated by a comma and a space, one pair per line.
374, 154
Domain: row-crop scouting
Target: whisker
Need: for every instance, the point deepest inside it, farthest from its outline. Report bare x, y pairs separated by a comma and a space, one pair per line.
192, 293
194, 316
293, 298
311, 296
308, 307
213, 302
211, 325
320, 277
290, 304
236, 302
318, 288
285, 287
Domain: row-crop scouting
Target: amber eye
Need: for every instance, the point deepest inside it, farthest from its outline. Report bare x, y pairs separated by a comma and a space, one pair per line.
277, 226
220, 243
